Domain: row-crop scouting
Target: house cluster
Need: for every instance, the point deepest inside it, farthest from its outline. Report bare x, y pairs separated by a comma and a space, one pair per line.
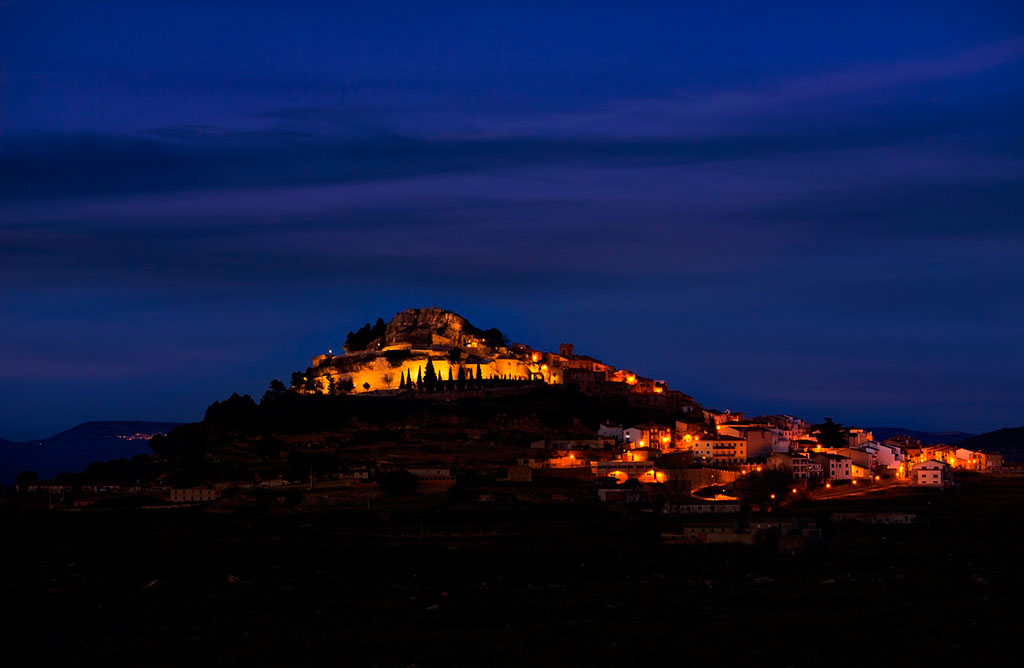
735, 445
81, 495
789, 532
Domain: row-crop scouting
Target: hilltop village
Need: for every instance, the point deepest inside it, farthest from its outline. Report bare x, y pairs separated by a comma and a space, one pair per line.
435, 350
427, 406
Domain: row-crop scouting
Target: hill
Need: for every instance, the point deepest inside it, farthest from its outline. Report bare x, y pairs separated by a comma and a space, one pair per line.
76, 448
434, 349
290, 434
1008, 442
926, 437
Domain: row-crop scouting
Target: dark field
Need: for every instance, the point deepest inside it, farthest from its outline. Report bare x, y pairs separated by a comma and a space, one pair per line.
507, 586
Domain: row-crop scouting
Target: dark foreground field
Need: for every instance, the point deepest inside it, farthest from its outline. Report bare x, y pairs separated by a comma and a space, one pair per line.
520, 586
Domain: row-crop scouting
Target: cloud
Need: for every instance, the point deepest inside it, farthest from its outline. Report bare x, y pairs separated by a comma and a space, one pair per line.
740, 110
390, 138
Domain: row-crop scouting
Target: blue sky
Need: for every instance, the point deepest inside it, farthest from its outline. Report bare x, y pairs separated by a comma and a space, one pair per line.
795, 207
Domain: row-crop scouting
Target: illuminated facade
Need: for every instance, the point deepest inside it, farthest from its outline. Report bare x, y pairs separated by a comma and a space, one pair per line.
451, 344
721, 450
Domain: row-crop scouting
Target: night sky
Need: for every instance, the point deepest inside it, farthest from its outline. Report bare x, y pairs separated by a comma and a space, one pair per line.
808, 208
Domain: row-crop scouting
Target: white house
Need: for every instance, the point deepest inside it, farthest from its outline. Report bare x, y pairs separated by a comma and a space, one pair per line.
834, 467
930, 473
797, 465
611, 430
888, 455
634, 437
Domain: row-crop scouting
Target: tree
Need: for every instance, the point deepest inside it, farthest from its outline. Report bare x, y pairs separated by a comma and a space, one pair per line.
361, 338
449, 374
831, 434
366, 386
298, 379
276, 389
346, 385
330, 385
234, 412
710, 426
309, 381
430, 376
494, 338
479, 375
462, 377
401, 384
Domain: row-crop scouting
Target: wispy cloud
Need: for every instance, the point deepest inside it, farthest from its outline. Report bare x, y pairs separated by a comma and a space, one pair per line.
730, 111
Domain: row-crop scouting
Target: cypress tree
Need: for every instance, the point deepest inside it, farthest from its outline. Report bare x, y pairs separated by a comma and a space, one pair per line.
430, 376
462, 377
401, 385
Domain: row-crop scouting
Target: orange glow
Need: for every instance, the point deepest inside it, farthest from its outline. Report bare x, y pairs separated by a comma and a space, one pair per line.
828, 485
631, 379
794, 490
854, 482
658, 390
535, 357
878, 477
758, 469
773, 496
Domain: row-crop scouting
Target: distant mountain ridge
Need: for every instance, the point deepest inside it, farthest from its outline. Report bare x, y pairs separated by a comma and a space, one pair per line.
926, 437
76, 448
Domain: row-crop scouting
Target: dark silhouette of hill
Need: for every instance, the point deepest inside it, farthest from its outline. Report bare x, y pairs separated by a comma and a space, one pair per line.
239, 433
76, 448
926, 437
1009, 442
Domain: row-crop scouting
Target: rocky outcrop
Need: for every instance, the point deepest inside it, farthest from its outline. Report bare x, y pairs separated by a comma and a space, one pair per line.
428, 326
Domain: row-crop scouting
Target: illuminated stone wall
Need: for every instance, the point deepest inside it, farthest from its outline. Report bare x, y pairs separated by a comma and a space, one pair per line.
379, 374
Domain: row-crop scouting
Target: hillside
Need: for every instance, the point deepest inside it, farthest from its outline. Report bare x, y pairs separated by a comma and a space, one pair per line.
293, 433
1008, 442
76, 448
926, 437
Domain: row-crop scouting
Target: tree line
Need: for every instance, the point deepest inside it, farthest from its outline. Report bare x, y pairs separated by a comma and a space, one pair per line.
426, 379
